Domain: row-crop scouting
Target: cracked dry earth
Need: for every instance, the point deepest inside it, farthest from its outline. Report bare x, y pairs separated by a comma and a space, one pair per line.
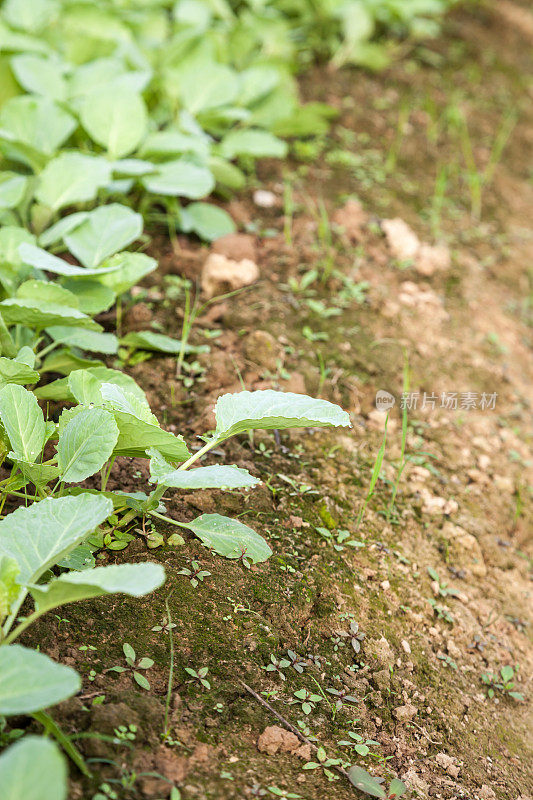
408, 275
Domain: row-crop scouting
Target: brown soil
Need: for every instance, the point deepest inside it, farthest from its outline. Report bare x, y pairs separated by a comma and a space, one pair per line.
464, 500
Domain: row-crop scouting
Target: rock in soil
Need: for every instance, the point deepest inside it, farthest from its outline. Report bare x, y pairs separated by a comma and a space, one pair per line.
236, 246
261, 348
277, 740
221, 274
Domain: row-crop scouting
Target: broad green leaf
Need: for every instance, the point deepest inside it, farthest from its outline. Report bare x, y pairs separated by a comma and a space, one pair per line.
103, 375
38, 474
209, 222
104, 232
115, 120
39, 124
56, 390
168, 143
148, 340
40, 259
111, 72
39, 75
93, 297
180, 178
56, 232
30, 681
23, 422
12, 189
115, 398
12, 371
94, 341
136, 436
132, 167
39, 536
64, 361
72, 178
7, 345
85, 444
33, 769
214, 477
229, 537
47, 291
365, 782
80, 559
9, 587
135, 580
29, 15
256, 143
246, 411
397, 788
204, 85
124, 270
41, 314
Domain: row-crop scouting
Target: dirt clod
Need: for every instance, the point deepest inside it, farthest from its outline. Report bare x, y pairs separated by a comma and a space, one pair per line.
221, 274
277, 740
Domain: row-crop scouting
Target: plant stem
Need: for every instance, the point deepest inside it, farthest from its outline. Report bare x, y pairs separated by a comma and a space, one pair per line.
52, 728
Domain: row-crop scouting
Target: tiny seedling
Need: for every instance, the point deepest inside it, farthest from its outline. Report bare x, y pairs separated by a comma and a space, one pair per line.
441, 586
341, 696
363, 781
126, 733
134, 665
306, 700
195, 573
502, 682
199, 676
324, 763
277, 666
358, 743
441, 611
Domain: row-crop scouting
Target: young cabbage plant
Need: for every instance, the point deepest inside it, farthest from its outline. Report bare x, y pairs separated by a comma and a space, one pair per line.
33, 541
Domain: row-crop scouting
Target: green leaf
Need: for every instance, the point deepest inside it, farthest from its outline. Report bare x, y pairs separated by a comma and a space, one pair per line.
214, 477
72, 178
40, 259
125, 270
507, 672
33, 129
94, 341
180, 178
229, 537
12, 371
56, 232
39, 536
256, 143
102, 233
9, 587
209, 222
397, 788
148, 340
246, 411
12, 189
142, 681
41, 314
23, 422
365, 782
85, 444
30, 681
134, 580
47, 291
168, 143
115, 120
64, 361
42, 76
116, 398
93, 297
38, 474
136, 436
33, 769
103, 375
